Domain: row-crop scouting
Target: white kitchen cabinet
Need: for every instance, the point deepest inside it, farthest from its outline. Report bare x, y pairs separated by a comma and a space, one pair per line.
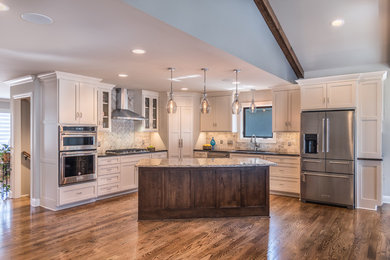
159, 155
220, 118
341, 94
181, 132
285, 177
333, 95
286, 111
369, 184
146, 104
77, 103
77, 193
104, 107
128, 178
369, 119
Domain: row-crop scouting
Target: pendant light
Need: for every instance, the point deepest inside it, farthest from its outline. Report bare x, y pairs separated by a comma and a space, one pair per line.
171, 105
204, 104
253, 105
236, 106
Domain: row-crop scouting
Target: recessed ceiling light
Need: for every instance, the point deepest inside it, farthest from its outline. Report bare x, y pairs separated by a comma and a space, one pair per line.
3, 7
184, 89
337, 23
123, 75
37, 18
235, 82
138, 51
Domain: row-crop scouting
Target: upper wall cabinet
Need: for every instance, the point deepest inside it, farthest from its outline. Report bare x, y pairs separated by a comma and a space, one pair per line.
286, 110
146, 104
104, 107
332, 95
77, 103
220, 118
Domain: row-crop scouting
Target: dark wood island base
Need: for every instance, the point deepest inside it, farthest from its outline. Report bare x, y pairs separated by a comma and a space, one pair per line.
202, 192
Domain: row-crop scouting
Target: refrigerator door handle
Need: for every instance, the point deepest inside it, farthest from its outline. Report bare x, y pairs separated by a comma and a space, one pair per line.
327, 135
323, 133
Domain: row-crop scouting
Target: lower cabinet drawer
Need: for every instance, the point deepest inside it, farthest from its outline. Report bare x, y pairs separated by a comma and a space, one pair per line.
284, 185
109, 179
282, 171
77, 192
109, 169
108, 189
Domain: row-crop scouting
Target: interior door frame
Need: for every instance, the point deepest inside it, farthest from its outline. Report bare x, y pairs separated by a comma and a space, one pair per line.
16, 169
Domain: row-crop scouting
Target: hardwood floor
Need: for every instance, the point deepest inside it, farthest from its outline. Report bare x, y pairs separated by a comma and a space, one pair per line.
109, 229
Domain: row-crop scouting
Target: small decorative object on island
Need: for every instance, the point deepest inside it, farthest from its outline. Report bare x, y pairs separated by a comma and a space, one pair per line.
212, 142
171, 105
151, 148
204, 104
236, 106
207, 147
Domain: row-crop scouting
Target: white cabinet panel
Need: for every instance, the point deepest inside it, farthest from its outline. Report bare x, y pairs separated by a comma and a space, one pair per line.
87, 104
279, 111
77, 192
286, 111
104, 108
67, 97
341, 95
369, 119
128, 179
369, 184
313, 97
186, 131
181, 133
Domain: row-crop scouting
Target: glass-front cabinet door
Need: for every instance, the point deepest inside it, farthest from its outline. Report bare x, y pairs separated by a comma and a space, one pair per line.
104, 109
150, 112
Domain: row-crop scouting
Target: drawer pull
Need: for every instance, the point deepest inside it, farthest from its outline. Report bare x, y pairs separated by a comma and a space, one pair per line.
337, 162
326, 175
312, 161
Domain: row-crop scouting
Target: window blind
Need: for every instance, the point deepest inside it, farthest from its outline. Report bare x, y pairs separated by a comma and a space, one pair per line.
5, 128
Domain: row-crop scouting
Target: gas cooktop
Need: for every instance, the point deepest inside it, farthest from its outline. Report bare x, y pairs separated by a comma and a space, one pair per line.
126, 151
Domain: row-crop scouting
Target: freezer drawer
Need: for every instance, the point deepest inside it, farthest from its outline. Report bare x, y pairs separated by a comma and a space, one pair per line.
315, 165
340, 166
328, 188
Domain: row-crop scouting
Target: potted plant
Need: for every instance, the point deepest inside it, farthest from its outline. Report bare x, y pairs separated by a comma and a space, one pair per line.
5, 153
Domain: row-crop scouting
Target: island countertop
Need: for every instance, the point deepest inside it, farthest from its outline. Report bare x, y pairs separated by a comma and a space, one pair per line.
204, 162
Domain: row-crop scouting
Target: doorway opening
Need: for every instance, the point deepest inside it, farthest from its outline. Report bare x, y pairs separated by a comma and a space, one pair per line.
25, 147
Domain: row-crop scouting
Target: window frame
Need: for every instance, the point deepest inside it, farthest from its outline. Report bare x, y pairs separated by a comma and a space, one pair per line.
240, 124
244, 118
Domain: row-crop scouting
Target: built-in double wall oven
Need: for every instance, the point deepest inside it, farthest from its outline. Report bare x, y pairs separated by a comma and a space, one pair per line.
78, 154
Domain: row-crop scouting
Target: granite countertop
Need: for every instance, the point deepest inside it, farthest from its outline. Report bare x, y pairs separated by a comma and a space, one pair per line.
204, 162
250, 152
134, 153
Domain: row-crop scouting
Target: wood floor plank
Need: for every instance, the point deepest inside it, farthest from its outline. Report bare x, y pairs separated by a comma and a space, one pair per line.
109, 229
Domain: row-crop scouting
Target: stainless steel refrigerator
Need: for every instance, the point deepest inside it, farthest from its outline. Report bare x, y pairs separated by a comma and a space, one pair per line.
328, 157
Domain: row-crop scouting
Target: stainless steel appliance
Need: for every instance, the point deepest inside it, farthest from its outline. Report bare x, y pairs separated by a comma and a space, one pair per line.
328, 161
77, 166
76, 138
78, 154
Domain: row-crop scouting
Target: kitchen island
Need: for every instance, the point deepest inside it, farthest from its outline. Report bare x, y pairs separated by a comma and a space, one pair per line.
203, 187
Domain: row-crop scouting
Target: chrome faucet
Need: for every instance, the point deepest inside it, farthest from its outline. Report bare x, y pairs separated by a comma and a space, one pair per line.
254, 142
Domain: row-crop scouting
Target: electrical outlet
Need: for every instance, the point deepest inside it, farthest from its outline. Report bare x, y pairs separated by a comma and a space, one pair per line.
220, 141
289, 143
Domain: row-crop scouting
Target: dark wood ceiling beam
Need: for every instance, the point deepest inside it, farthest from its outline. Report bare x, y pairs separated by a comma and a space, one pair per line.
272, 21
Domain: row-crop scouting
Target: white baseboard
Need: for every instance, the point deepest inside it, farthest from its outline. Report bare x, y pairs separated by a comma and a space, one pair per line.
386, 199
34, 202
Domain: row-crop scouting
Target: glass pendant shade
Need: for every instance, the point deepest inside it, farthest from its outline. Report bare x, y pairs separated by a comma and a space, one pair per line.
236, 106
171, 104
204, 104
253, 105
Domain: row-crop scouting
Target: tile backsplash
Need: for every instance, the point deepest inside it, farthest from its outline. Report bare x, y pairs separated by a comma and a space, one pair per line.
123, 134
287, 142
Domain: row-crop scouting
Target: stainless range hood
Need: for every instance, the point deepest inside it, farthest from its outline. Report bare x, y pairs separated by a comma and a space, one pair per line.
122, 107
